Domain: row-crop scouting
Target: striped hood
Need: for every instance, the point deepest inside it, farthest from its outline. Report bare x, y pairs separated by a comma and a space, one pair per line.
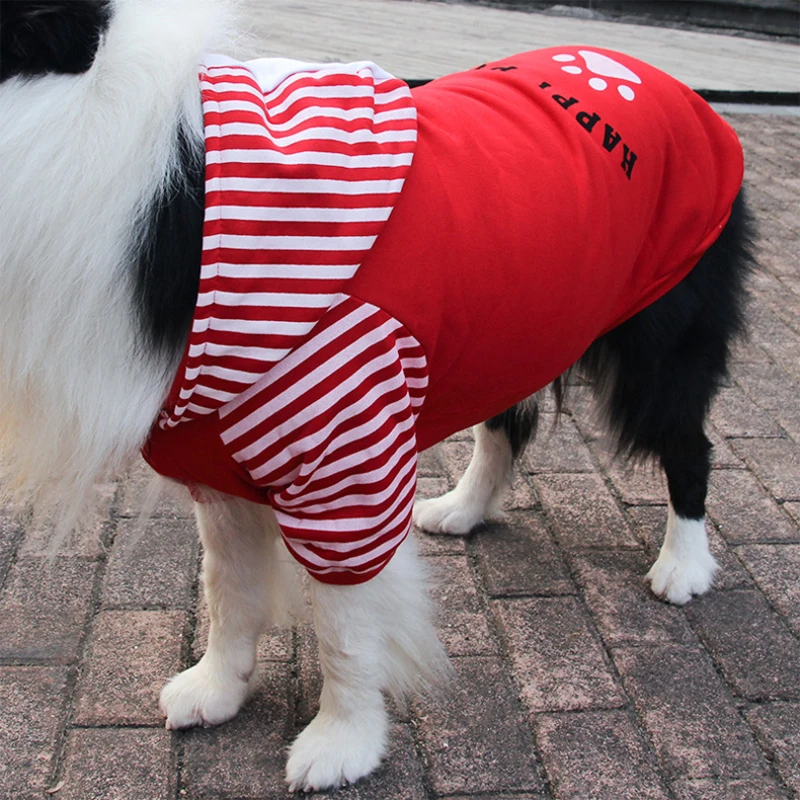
304, 163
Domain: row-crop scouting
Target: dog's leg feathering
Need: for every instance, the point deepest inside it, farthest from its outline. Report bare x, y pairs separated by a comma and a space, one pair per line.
373, 637
246, 571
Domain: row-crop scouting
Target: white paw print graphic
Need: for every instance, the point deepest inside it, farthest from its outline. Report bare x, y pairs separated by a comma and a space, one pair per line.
601, 67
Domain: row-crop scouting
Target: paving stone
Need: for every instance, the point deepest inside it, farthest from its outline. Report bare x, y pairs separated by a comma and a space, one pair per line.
454, 456
770, 332
650, 523
11, 532
460, 618
792, 282
152, 567
597, 755
44, 610
691, 719
722, 457
519, 496
793, 509
761, 788
786, 306
440, 37
429, 486
735, 415
243, 758
776, 571
744, 512
503, 796
559, 447
580, 402
439, 544
399, 777
745, 353
309, 674
772, 291
638, 485
772, 389
475, 738
520, 558
142, 489
622, 604
118, 764
32, 711
428, 463
131, 656
85, 540
758, 656
557, 659
777, 727
583, 512
776, 462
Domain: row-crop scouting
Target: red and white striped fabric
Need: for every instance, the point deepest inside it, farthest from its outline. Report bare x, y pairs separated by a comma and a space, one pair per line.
329, 432
303, 165
316, 392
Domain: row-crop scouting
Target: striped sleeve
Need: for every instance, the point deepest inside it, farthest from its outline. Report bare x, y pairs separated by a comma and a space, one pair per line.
329, 433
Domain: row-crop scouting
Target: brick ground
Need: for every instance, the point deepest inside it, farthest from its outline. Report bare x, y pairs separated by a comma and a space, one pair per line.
572, 681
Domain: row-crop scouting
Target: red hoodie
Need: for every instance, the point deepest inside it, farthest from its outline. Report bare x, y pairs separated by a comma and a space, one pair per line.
552, 195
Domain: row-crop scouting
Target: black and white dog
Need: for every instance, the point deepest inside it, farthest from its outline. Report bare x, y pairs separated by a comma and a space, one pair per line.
102, 211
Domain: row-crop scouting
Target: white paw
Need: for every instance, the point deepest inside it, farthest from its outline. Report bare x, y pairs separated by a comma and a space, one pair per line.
450, 513
677, 580
197, 696
332, 752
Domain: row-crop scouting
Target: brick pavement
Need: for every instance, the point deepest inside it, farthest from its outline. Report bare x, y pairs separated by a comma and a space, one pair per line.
572, 681
428, 39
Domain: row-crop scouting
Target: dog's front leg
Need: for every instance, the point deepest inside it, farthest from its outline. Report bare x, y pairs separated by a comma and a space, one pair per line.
478, 495
240, 546
372, 637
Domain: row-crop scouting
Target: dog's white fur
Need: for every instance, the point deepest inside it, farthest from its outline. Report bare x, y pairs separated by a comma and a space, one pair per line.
250, 583
82, 159
478, 496
685, 566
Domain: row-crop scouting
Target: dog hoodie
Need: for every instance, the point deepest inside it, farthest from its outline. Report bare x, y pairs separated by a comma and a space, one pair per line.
382, 269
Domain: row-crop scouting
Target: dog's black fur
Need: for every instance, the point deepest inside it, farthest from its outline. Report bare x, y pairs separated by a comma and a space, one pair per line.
168, 259
657, 373
61, 37
38, 37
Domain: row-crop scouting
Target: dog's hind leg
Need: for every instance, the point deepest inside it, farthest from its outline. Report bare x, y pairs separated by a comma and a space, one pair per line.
657, 374
373, 637
248, 576
685, 566
479, 494
657, 411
